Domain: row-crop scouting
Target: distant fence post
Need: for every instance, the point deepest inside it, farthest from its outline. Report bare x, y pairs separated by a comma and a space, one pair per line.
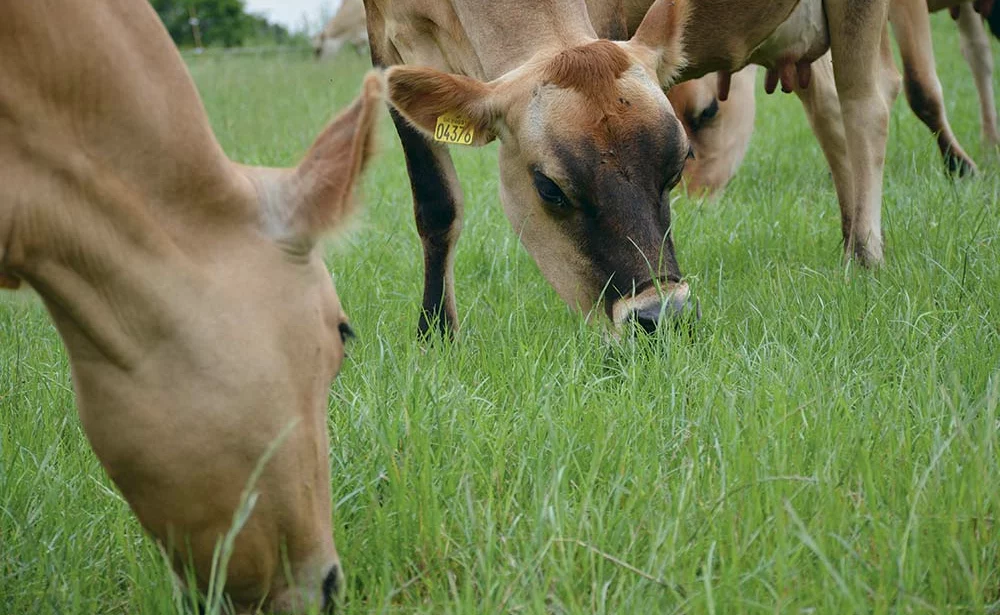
195, 29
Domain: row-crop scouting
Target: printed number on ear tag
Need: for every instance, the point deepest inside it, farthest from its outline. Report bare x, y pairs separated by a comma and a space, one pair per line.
455, 129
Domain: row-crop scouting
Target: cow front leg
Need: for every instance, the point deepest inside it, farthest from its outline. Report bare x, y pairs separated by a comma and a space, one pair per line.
856, 31
437, 208
912, 26
975, 44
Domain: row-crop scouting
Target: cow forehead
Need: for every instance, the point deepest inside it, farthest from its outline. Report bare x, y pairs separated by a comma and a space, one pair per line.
634, 137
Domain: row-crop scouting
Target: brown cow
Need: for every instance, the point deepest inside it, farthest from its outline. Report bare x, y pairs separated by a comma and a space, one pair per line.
202, 327
583, 128
346, 27
719, 157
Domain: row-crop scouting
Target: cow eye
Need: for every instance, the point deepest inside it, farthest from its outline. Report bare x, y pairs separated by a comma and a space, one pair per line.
346, 332
710, 111
548, 191
697, 122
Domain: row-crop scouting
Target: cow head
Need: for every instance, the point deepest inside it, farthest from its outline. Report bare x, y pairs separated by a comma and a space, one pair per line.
718, 124
202, 326
589, 151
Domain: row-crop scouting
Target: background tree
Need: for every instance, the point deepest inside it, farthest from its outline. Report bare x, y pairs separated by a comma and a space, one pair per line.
223, 23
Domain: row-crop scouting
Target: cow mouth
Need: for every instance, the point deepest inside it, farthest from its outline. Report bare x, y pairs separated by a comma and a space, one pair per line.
655, 302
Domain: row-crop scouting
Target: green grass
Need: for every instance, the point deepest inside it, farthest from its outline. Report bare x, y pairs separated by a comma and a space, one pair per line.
826, 443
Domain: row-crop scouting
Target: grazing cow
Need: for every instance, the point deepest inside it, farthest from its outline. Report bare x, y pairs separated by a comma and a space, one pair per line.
588, 146
718, 158
847, 103
911, 25
975, 45
202, 327
719, 130
346, 27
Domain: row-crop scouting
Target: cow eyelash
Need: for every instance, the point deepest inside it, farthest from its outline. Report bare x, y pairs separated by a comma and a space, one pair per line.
676, 177
548, 191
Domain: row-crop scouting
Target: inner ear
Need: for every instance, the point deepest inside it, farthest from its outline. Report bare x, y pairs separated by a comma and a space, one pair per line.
659, 39
427, 98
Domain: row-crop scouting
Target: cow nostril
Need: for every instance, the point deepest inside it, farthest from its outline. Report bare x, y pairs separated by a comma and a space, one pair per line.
331, 589
674, 310
648, 318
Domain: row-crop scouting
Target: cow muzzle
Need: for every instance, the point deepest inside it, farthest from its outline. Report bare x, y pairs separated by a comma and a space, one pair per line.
324, 594
656, 306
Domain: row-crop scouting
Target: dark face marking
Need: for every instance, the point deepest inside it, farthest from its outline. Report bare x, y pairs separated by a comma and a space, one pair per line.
618, 211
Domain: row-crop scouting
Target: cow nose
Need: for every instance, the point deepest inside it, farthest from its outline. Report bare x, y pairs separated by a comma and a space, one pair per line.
671, 310
331, 589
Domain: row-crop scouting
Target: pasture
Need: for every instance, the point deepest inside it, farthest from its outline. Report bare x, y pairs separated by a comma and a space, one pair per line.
826, 441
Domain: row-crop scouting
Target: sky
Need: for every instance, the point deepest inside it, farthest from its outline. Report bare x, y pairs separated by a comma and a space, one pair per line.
289, 12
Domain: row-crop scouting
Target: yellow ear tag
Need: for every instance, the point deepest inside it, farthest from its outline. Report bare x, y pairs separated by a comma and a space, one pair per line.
452, 128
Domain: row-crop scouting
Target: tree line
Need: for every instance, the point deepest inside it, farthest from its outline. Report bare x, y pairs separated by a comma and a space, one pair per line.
220, 23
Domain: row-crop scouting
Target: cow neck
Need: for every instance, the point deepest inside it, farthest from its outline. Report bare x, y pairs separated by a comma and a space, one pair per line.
109, 173
113, 272
112, 258
506, 34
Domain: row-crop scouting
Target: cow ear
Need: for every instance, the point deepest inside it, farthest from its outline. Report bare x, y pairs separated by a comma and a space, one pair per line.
319, 191
659, 39
447, 108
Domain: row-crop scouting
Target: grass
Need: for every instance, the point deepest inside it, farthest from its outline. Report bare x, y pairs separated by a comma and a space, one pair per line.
826, 443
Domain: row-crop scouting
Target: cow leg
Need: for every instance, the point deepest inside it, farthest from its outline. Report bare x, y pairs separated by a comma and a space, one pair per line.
823, 110
822, 107
437, 207
911, 24
856, 31
975, 45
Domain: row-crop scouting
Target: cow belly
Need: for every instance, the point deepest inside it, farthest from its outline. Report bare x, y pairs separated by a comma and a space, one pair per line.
801, 38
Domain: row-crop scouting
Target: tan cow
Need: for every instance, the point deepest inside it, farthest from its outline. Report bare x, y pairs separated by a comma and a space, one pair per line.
589, 146
719, 130
975, 45
346, 27
717, 157
201, 325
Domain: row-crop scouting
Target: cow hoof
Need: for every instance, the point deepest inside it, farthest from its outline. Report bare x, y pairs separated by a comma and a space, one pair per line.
869, 257
960, 166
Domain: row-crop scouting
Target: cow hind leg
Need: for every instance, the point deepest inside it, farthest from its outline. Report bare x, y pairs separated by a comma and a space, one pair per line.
975, 45
437, 207
911, 24
856, 31
822, 107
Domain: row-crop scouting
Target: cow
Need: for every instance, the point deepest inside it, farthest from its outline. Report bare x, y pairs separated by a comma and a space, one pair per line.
975, 46
589, 146
346, 27
720, 130
202, 327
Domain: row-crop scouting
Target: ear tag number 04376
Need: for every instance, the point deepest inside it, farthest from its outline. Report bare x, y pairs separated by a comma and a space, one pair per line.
455, 129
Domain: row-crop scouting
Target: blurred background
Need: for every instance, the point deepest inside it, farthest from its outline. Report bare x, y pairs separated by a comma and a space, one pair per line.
244, 23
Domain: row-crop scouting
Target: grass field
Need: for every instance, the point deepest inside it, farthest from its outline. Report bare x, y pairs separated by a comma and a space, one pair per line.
827, 442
